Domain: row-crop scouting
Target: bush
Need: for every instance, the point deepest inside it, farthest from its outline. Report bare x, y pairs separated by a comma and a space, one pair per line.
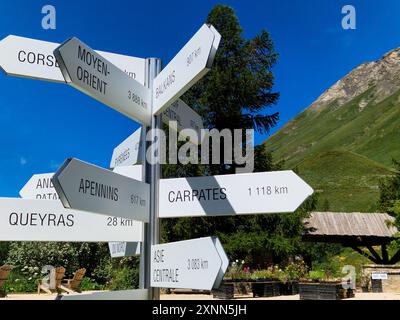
125, 279
317, 275
89, 284
72, 256
4, 248
23, 281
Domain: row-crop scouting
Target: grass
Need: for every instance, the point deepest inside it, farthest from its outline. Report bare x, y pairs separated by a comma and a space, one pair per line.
343, 151
345, 181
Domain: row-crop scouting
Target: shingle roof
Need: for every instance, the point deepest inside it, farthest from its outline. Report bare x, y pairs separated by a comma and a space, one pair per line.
349, 224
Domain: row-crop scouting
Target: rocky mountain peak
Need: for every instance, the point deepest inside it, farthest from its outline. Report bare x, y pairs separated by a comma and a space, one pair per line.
382, 75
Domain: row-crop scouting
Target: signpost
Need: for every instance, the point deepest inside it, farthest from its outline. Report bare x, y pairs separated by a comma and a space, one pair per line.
191, 63
124, 249
129, 151
85, 187
91, 73
38, 220
94, 204
247, 193
30, 58
39, 187
192, 264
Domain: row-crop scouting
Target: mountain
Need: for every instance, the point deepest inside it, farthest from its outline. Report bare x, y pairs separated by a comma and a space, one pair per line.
354, 125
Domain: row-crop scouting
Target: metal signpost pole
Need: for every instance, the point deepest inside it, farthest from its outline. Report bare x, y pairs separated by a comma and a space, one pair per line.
153, 172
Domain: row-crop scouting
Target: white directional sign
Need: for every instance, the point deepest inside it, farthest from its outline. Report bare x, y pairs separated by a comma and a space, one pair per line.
190, 264
134, 172
30, 58
91, 73
38, 220
127, 249
247, 193
124, 249
129, 151
39, 187
185, 117
86, 187
191, 63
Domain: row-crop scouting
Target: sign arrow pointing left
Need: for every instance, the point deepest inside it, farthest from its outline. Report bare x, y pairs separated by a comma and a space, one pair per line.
86, 70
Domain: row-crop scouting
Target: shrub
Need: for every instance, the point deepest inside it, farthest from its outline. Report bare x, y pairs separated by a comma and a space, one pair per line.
317, 275
89, 284
295, 271
23, 281
125, 279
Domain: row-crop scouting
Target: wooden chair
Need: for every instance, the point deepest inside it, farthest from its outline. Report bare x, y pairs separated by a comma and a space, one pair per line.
72, 285
59, 273
4, 272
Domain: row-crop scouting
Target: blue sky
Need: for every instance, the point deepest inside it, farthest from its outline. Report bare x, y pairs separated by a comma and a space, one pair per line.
44, 123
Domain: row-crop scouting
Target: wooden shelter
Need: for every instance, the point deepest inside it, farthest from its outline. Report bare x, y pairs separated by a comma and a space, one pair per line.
356, 230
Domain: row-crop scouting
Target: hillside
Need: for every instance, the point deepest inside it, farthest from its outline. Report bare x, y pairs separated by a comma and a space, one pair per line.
359, 119
345, 181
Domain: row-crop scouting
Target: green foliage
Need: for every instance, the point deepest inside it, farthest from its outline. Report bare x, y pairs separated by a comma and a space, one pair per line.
88, 284
270, 273
295, 271
125, 279
24, 280
4, 248
390, 191
317, 275
235, 94
72, 256
346, 182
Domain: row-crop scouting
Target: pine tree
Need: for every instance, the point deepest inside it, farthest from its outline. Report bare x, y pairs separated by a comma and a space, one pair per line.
237, 93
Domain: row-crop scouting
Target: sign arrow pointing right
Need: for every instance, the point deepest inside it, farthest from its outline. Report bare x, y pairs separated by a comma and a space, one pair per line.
189, 264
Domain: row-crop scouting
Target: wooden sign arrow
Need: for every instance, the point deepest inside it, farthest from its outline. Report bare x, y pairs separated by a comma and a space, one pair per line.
48, 220
30, 58
86, 187
191, 63
190, 264
91, 73
247, 193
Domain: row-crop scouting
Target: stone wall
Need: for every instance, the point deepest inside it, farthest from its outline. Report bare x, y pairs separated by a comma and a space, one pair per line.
392, 284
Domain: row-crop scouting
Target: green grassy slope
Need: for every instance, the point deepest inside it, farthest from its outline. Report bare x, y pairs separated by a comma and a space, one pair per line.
373, 132
349, 182
343, 151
